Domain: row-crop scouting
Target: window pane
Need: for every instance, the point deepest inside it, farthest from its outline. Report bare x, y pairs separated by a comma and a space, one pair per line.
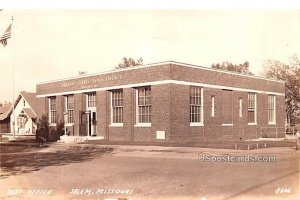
144, 105
251, 108
195, 104
117, 106
271, 109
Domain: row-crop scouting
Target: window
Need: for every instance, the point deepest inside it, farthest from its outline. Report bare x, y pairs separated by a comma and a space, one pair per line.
24, 102
70, 108
91, 100
117, 107
251, 108
144, 105
213, 106
196, 111
241, 107
271, 109
21, 122
52, 110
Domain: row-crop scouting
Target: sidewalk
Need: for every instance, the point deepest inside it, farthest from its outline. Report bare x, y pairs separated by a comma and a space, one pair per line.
175, 152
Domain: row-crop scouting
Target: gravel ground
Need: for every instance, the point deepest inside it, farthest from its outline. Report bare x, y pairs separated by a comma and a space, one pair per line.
62, 171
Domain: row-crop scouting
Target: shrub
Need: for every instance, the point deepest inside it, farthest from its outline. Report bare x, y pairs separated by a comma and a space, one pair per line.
50, 133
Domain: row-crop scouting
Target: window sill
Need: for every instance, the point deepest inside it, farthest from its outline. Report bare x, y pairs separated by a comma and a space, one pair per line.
143, 125
196, 124
272, 123
69, 124
52, 124
116, 125
227, 124
252, 124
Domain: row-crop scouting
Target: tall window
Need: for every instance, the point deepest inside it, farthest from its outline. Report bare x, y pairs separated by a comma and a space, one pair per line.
91, 99
271, 109
117, 106
251, 108
195, 105
144, 105
70, 108
21, 122
241, 107
213, 106
52, 110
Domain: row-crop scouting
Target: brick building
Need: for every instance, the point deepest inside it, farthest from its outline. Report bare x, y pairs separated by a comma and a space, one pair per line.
166, 101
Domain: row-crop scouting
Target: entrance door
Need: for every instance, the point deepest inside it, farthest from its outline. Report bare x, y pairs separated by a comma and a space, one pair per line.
83, 123
92, 123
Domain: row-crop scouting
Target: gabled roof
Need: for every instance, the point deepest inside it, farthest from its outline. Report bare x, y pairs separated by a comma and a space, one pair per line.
4, 108
30, 98
4, 111
29, 112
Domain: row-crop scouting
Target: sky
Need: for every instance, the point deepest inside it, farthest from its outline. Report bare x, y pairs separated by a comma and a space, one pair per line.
49, 44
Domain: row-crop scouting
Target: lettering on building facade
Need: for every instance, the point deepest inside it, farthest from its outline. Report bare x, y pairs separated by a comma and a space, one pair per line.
89, 82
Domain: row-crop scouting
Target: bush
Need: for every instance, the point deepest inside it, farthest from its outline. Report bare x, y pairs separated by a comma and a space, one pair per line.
50, 133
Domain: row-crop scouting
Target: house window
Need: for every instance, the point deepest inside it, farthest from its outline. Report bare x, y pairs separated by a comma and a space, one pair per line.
271, 109
52, 110
91, 99
251, 108
117, 107
144, 105
196, 111
21, 122
70, 108
213, 106
24, 103
241, 107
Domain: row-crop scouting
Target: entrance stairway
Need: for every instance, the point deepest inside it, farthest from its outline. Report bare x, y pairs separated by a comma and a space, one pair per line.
78, 139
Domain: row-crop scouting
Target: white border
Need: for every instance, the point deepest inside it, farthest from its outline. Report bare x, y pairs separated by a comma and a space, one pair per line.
240, 107
137, 124
202, 111
111, 124
255, 111
227, 124
154, 4
272, 123
49, 114
159, 83
212, 106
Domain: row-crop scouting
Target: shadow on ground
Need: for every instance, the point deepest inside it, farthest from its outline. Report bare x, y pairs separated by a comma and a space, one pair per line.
26, 159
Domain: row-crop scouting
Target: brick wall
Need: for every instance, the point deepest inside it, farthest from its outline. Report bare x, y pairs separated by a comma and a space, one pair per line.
160, 115
171, 105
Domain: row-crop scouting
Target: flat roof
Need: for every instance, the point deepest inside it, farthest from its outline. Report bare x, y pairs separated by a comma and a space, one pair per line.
159, 64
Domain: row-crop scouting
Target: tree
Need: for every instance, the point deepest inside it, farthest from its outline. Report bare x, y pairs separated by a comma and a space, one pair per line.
80, 73
129, 62
47, 132
241, 68
290, 73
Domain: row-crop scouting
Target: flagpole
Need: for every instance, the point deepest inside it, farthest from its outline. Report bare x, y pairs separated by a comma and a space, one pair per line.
13, 69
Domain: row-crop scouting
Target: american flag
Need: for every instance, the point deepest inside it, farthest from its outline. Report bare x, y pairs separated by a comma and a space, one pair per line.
6, 36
